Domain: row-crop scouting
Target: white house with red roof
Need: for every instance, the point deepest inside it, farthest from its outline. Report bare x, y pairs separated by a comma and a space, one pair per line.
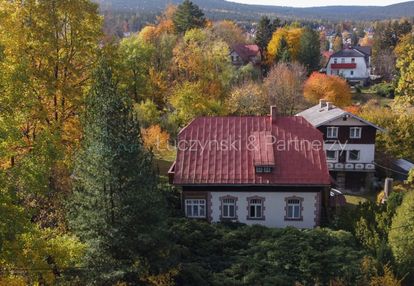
354, 64
266, 170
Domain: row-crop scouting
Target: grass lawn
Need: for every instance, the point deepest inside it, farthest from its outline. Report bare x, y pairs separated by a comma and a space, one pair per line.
363, 97
354, 200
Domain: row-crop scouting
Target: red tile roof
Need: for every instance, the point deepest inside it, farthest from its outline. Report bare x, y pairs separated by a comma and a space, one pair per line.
246, 51
225, 150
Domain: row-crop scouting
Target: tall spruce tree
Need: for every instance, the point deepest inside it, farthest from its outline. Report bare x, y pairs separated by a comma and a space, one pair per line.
309, 52
265, 31
116, 208
188, 16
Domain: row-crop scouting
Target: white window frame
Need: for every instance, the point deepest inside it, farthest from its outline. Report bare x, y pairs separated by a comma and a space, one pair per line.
227, 205
349, 155
329, 132
257, 204
351, 72
352, 133
293, 209
332, 159
197, 208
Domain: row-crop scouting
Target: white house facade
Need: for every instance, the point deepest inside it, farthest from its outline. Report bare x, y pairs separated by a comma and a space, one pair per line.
272, 209
351, 63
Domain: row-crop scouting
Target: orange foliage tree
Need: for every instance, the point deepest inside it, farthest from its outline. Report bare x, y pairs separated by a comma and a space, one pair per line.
332, 88
156, 139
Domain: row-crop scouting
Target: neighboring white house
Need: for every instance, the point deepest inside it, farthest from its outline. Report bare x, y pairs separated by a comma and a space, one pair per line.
266, 170
354, 64
349, 144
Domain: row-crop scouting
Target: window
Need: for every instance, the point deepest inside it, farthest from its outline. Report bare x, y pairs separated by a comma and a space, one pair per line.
293, 208
353, 155
332, 132
263, 169
255, 208
353, 60
331, 155
228, 208
343, 60
352, 72
195, 208
335, 61
355, 132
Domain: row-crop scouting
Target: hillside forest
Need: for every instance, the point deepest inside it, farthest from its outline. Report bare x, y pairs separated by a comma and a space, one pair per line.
87, 128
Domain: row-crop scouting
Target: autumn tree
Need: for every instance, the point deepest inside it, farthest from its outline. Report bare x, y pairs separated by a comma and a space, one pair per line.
229, 32
284, 87
50, 46
264, 33
386, 37
284, 39
203, 58
332, 88
405, 66
188, 16
247, 99
309, 51
337, 44
136, 61
401, 235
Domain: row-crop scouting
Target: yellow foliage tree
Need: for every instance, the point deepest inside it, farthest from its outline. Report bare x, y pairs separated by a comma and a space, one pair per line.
291, 35
156, 139
332, 88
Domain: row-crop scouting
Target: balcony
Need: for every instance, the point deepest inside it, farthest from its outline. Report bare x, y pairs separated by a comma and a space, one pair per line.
355, 167
343, 66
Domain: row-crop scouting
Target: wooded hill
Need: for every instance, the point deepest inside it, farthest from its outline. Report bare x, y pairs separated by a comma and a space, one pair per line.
221, 9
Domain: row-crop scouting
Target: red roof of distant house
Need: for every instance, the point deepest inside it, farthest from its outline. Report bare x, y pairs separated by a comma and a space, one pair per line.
226, 150
246, 51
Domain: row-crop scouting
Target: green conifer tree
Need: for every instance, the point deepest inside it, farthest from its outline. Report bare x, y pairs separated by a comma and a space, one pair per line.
188, 16
115, 208
309, 52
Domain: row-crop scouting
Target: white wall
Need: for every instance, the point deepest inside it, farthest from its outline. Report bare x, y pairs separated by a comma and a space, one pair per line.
274, 205
367, 151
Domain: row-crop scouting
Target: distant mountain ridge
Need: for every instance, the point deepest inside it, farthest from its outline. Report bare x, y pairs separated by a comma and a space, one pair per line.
225, 9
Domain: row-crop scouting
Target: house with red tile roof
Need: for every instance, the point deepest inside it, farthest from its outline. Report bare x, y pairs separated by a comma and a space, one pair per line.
242, 54
268, 170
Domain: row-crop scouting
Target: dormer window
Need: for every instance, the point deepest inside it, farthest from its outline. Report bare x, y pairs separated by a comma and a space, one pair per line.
264, 169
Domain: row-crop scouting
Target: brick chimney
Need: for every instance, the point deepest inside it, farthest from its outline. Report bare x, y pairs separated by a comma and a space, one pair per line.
273, 113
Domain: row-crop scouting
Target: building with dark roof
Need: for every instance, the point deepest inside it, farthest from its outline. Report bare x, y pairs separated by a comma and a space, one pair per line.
267, 170
349, 145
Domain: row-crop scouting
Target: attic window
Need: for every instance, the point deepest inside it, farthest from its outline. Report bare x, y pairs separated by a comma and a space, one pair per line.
264, 169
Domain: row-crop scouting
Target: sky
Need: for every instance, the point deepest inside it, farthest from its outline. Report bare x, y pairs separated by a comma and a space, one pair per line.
313, 3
